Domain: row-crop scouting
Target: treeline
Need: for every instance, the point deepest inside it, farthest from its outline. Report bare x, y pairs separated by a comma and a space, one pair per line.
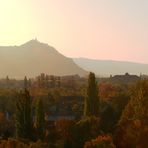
43, 81
114, 115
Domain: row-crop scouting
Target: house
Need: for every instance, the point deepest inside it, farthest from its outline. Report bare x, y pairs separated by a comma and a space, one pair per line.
127, 78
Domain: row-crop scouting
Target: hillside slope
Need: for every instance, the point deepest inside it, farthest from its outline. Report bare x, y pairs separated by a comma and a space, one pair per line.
33, 58
107, 68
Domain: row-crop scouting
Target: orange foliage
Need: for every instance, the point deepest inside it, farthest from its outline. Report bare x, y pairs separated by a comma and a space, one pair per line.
2, 117
107, 91
63, 128
103, 141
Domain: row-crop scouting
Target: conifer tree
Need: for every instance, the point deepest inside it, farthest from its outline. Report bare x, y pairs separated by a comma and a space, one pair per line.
23, 115
25, 82
29, 83
40, 119
7, 82
91, 107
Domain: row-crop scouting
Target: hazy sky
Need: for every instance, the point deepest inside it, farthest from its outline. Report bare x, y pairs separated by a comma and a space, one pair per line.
98, 29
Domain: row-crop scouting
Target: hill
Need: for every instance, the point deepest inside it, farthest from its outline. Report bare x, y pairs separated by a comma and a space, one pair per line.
107, 67
33, 58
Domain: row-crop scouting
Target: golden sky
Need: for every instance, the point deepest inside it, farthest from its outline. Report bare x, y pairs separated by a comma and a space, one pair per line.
99, 29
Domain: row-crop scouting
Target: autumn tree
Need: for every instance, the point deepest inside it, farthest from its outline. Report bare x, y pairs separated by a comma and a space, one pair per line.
133, 126
92, 99
102, 141
23, 115
64, 132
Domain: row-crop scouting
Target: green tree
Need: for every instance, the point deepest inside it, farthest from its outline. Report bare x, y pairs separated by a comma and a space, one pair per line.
29, 83
85, 129
91, 107
23, 115
108, 119
40, 119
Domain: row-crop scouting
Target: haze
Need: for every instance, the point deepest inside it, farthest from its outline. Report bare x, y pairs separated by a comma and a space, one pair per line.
98, 29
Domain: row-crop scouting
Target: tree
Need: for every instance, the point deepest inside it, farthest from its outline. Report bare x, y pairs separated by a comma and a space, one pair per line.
108, 119
52, 81
7, 82
133, 125
92, 99
86, 129
64, 132
40, 119
6, 126
59, 81
23, 115
29, 83
25, 82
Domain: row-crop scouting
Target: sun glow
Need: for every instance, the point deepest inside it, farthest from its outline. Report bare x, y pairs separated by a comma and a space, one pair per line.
15, 22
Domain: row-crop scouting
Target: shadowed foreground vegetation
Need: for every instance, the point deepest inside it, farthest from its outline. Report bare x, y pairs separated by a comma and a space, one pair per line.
91, 113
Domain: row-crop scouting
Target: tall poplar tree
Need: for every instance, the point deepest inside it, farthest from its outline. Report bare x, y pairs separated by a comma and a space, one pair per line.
25, 83
91, 107
40, 119
23, 115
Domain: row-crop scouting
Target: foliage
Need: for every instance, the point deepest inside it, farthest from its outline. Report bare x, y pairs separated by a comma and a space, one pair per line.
39, 144
92, 99
86, 129
107, 118
25, 83
14, 143
134, 121
23, 115
102, 141
40, 120
117, 110
6, 126
63, 128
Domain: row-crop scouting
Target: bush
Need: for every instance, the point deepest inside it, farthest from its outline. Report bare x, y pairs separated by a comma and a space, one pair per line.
103, 141
85, 130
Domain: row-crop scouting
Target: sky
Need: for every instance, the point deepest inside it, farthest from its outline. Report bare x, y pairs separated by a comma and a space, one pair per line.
97, 29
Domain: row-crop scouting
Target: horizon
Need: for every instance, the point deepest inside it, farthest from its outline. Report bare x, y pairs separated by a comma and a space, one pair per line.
87, 58
101, 30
